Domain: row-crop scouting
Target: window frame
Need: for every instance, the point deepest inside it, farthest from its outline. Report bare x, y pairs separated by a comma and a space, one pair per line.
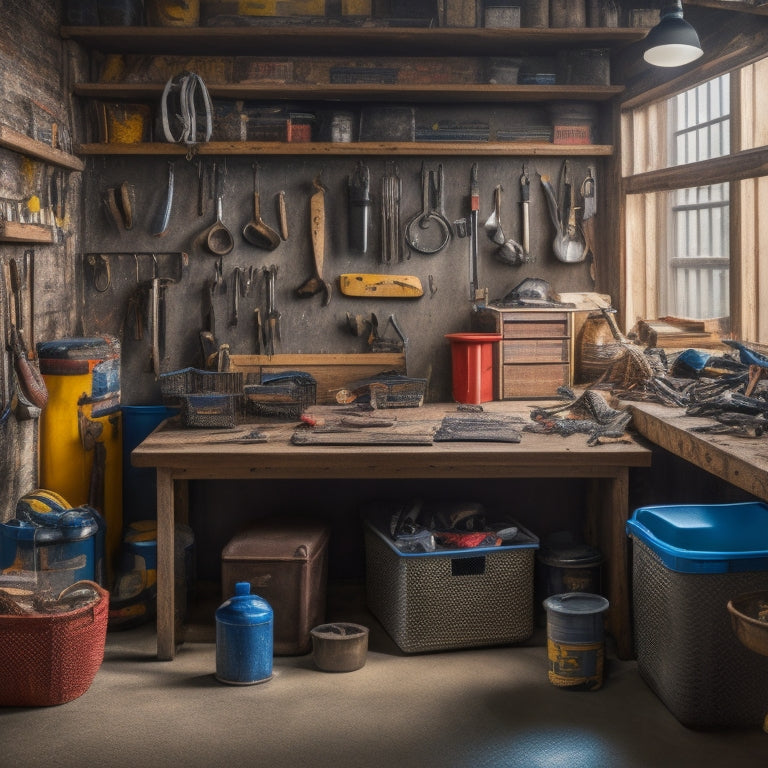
746, 172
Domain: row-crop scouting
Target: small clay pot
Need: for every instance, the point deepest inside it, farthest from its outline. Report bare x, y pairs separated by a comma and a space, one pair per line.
339, 647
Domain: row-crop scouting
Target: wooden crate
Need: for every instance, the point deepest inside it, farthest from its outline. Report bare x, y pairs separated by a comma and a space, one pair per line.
332, 372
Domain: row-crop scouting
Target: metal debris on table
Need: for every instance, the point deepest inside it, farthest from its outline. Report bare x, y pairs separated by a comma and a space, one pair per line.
480, 427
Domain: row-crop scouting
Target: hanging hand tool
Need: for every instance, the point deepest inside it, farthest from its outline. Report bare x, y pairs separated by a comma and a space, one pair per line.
257, 232
429, 231
163, 216
589, 193
237, 287
391, 243
493, 222
273, 316
381, 286
158, 318
567, 245
475, 293
359, 203
315, 283
525, 203
282, 215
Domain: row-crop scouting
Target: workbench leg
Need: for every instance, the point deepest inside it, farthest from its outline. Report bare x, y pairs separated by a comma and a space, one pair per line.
609, 507
166, 630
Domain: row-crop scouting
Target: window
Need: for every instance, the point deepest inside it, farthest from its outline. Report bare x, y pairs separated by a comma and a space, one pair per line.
692, 188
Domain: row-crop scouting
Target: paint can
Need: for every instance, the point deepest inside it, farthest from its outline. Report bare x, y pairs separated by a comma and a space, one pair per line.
244, 638
575, 640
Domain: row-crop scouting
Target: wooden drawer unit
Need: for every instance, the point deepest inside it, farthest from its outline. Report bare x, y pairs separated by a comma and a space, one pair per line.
535, 356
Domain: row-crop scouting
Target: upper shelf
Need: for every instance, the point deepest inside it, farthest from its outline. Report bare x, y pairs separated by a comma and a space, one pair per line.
23, 144
289, 40
318, 148
464, 92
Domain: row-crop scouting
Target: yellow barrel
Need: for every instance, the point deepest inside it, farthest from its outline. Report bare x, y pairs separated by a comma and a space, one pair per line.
80, 430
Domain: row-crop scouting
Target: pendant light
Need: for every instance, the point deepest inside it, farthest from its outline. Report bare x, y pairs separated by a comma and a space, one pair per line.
673, 42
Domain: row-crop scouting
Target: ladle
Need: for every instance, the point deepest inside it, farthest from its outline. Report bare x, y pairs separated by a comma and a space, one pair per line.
257, 232
493, 222
219, 239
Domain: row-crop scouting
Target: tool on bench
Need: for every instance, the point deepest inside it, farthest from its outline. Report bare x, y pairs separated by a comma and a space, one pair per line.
315, 283
272, 331
359, 189
257, 232
428, 232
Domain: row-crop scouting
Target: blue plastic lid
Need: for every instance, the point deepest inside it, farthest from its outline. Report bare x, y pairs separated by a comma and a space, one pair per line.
244, 608
711, 538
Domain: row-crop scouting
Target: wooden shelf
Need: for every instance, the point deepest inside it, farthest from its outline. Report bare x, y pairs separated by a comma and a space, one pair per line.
464, 92
25, 145
508, 148
16, 232
294, 40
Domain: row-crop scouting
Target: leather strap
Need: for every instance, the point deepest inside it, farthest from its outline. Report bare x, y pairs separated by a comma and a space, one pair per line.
184, 98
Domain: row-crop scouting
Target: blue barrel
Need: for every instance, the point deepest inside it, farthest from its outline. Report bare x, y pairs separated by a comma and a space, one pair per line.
140, 483
244, 638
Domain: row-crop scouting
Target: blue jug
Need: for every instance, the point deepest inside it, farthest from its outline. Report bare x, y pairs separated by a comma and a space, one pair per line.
244, 638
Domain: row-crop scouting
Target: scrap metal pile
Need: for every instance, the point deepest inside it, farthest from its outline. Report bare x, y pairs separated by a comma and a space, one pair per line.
728, 388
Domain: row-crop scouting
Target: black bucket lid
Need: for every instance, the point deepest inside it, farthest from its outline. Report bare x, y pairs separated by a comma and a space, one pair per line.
570, 555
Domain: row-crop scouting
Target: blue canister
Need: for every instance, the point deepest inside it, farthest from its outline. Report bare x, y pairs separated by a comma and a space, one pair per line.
244, 638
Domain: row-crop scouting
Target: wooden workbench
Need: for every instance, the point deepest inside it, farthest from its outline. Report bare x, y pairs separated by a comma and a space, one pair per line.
743, 462
180, 454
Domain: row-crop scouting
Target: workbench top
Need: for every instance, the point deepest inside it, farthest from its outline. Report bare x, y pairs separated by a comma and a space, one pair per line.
204, 453
741, 461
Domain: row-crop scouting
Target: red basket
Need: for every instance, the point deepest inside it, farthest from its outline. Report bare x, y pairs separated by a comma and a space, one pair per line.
51, 659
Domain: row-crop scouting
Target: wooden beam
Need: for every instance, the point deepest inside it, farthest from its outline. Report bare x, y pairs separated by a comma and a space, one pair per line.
750, 6
749, 164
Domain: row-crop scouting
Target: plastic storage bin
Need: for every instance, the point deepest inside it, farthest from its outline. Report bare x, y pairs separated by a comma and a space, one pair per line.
688, 562
286, 563
460, 598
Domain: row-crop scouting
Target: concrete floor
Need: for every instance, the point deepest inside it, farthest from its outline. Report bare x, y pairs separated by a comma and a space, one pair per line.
484, 708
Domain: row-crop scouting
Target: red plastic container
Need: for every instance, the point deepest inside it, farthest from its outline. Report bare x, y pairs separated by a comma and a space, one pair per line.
472, 358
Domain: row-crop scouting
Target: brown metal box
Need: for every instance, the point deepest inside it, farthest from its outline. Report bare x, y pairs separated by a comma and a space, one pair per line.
286, 563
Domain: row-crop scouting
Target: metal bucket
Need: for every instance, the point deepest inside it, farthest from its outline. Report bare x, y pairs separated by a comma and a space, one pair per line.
575, 640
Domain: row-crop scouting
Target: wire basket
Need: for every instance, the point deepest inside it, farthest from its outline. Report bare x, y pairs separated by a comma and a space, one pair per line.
189, 381
210, 410
282, 395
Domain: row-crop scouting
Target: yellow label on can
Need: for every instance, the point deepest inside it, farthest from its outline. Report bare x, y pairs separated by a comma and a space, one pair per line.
257, 8
576, 664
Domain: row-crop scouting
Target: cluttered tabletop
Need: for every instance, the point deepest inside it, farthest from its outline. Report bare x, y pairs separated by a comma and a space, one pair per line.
435, 438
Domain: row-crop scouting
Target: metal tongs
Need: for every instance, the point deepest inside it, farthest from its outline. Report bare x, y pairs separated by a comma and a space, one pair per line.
429, 230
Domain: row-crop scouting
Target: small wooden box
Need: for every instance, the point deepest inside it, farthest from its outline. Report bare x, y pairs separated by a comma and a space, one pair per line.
286, 563
535, 355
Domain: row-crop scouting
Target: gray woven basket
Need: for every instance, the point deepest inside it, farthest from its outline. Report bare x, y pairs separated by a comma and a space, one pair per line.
439, 602
686, 650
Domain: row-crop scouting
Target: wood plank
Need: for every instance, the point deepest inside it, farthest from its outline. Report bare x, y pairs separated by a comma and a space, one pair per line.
30, 147
332, 372
18, 232
271, 40
428, 92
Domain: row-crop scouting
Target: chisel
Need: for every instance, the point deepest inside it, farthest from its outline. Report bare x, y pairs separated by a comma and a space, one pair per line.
474, 199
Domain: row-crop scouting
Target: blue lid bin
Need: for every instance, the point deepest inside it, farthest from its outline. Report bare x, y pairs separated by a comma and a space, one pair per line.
688, 561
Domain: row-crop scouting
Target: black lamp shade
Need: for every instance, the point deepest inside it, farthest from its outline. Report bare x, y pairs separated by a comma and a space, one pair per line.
673, 42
